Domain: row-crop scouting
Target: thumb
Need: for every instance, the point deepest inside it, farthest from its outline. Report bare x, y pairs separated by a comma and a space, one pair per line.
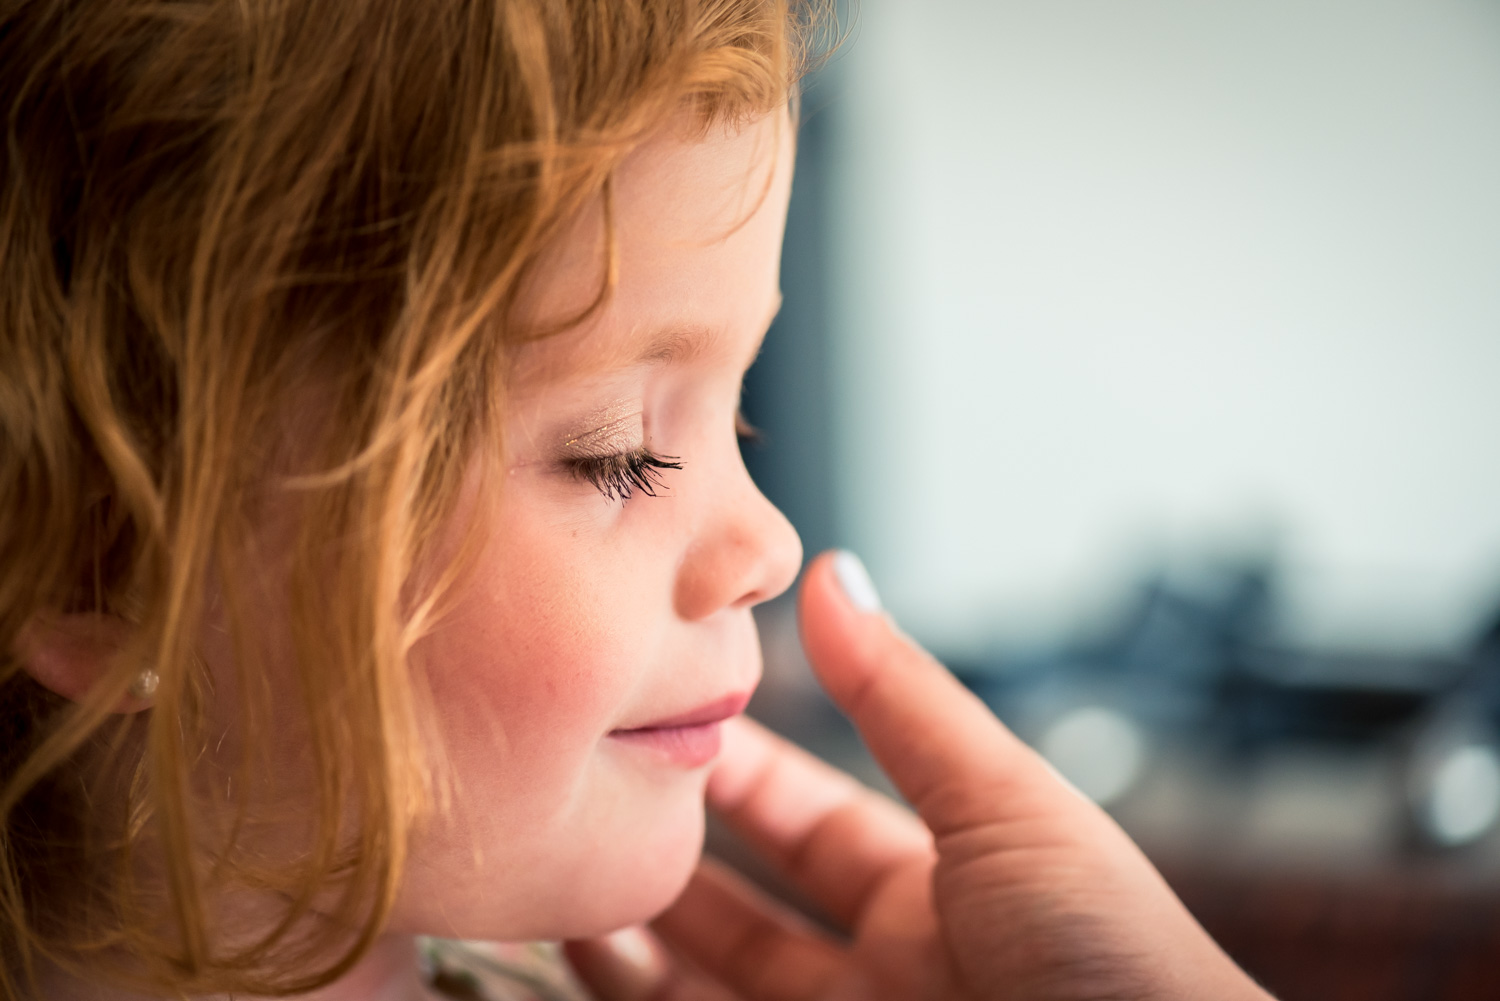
941, 746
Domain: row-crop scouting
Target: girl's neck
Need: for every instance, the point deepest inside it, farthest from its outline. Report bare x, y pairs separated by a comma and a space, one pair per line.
387, 972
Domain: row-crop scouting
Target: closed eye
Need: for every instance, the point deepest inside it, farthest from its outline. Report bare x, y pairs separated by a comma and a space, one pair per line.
620, 474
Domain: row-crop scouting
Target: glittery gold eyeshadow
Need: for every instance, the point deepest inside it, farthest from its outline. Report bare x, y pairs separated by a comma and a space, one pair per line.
600, 441
611, 458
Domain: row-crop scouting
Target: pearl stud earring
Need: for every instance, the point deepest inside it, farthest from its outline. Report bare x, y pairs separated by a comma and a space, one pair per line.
144, 685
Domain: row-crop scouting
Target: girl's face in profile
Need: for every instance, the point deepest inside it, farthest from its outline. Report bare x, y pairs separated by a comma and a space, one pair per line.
604, 629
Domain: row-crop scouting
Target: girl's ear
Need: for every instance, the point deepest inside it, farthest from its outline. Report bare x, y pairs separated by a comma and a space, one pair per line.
68, 654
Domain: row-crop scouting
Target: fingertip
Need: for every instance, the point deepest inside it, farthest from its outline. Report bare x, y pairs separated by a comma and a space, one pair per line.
738, 735
743, 745
841, 622
837, 578
854, 581
625, 965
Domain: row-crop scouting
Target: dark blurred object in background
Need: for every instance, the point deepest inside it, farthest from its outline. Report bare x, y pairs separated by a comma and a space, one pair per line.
1199, 670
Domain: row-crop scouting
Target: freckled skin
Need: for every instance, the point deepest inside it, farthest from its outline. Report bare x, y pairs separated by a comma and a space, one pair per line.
584, 615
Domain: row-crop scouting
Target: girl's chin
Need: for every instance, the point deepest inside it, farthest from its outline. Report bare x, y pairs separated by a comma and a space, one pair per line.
588, 873
622, 878
636, 889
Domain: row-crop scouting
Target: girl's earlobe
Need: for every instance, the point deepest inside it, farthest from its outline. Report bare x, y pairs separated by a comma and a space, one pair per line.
68, 654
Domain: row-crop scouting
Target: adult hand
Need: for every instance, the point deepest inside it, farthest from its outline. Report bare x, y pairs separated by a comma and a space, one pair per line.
1007, 884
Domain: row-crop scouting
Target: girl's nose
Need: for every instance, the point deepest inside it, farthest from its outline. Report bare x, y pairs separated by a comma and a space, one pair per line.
745, 554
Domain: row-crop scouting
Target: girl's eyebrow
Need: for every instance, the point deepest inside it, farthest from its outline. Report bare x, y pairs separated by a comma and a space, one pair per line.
676, 345
672, 344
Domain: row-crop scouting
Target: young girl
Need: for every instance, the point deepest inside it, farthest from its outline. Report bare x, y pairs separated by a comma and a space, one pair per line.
376, 557
377, 554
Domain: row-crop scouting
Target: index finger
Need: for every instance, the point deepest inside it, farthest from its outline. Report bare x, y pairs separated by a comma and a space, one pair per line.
941, 746
836, 840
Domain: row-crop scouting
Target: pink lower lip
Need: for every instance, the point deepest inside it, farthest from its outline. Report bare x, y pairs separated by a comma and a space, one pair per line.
688, 746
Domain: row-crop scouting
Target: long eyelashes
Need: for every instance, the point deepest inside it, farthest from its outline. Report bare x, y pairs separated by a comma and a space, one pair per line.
621, 474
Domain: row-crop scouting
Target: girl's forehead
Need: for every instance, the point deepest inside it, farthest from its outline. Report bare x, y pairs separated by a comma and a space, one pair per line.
697, 226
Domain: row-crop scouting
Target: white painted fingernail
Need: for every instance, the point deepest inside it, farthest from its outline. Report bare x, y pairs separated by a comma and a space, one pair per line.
856, 582
627, 964
634, 946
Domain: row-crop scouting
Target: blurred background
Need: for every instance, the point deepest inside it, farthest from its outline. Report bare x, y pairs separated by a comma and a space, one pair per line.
1147, 353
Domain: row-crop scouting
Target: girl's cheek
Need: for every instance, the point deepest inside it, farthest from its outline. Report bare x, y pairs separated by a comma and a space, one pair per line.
537, 651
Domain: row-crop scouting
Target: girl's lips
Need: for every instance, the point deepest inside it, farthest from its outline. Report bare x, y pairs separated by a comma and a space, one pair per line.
716, 711
687, 746
689, 739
